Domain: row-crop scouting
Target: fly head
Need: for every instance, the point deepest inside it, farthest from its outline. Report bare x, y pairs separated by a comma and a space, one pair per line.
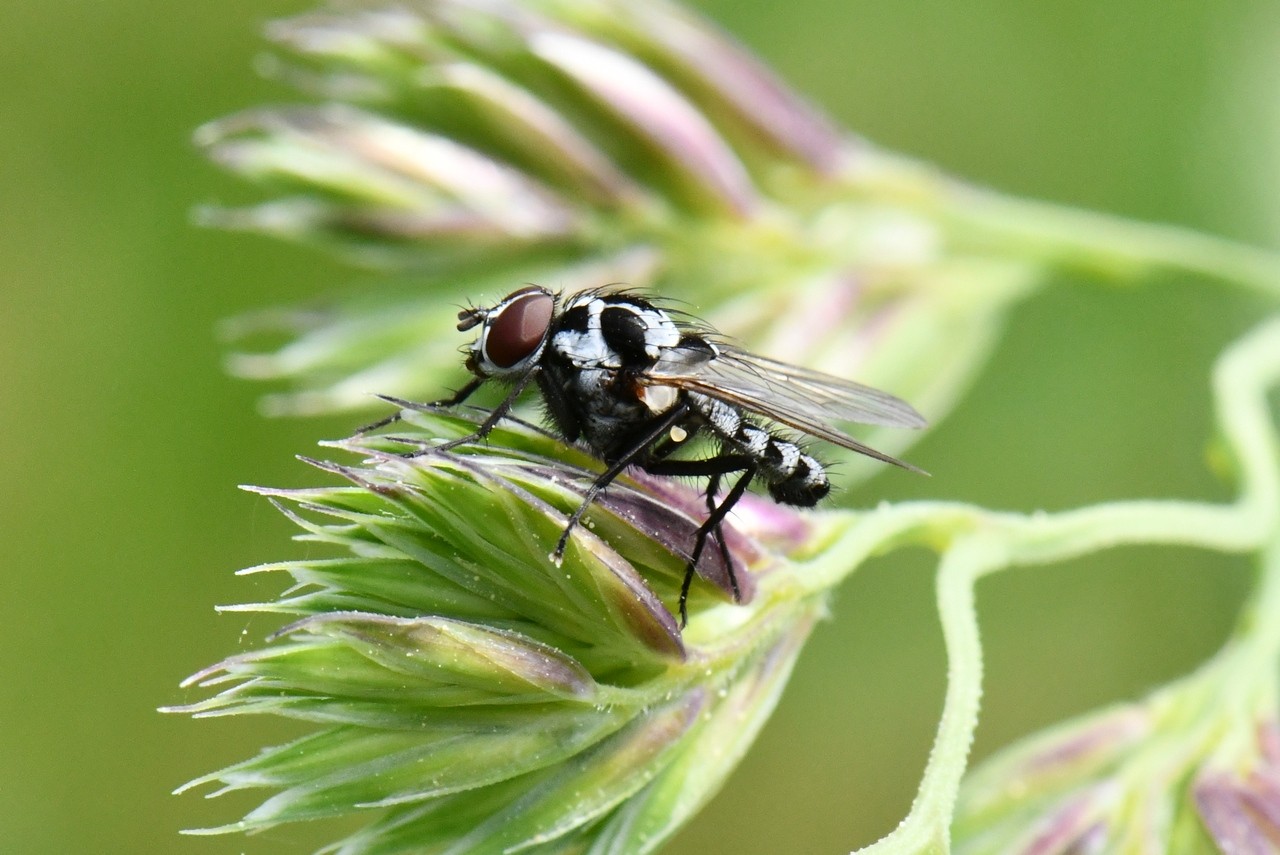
513, 333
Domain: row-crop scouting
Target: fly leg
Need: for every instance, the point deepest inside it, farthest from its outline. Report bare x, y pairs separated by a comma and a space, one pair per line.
714, 468
627, 458
496, 415
713, 487
452, 401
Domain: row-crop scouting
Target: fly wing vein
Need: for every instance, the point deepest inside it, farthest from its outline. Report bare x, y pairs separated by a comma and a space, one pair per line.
808, 401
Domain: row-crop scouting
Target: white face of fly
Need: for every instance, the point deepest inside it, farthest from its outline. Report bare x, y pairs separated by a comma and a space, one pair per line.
512, 334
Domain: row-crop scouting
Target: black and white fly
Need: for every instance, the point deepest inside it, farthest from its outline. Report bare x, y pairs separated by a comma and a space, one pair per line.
621, 377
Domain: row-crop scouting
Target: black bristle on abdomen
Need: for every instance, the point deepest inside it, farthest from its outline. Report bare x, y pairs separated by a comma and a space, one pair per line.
801, 489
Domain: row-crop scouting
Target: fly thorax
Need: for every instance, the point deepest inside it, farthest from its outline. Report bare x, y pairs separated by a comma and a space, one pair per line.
597, 394
614, 332
592, 384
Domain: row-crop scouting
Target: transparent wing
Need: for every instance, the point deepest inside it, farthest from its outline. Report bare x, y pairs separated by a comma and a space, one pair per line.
808, 401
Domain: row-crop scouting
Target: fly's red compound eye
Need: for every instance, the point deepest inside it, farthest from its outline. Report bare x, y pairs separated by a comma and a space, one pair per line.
517, 328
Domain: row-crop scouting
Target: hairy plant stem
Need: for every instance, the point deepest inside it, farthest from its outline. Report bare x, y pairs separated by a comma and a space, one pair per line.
974, 542
1094, 242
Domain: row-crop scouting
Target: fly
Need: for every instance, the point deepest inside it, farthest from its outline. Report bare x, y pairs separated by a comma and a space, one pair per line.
621, 377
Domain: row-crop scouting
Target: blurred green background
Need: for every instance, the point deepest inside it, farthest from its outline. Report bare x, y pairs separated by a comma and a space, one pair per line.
124, 440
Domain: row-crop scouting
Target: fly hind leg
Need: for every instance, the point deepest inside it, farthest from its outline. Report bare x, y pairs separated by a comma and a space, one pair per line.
714, 468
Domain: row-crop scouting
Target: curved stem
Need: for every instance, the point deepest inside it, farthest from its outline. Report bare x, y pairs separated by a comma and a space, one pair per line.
1261, 620
976, 542
1241, 379
927, 827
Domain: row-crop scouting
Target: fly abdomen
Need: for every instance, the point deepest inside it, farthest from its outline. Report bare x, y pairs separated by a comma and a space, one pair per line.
805, 486
792, 476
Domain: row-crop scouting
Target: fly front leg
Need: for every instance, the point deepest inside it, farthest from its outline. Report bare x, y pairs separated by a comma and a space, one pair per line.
452, 401
490, 422
498, 413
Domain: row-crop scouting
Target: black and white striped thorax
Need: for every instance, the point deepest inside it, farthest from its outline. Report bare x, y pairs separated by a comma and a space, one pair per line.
627, 380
